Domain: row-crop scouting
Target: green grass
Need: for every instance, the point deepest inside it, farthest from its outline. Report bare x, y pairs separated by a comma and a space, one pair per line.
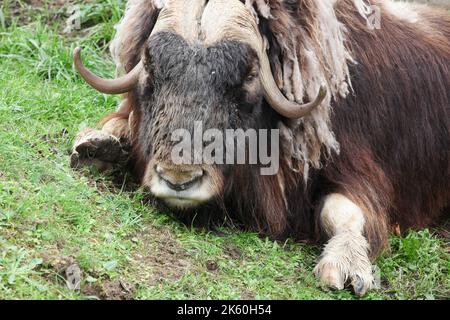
51, 215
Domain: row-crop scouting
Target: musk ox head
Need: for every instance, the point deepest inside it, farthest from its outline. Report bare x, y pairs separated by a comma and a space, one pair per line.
205, 63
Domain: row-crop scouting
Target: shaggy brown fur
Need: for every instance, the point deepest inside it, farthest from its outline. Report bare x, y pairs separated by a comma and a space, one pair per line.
383, 140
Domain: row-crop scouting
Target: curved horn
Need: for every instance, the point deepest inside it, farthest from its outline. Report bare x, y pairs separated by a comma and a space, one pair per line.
278, 101
230, 19
177, 15
114, 86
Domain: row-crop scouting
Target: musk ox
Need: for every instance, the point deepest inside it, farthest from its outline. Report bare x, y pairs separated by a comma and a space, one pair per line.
362, 107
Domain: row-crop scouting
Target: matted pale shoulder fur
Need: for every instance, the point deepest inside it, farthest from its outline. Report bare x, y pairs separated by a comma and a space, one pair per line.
313, 55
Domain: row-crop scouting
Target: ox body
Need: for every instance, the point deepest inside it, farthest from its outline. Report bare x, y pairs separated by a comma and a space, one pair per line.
363, 115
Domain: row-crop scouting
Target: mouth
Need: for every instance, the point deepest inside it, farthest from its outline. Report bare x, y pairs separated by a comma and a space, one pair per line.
186, 195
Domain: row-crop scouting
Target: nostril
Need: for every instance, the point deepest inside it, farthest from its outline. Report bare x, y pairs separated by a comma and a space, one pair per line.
179, 180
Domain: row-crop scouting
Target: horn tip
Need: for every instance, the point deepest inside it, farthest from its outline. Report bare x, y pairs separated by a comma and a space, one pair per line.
323, 91
76, 52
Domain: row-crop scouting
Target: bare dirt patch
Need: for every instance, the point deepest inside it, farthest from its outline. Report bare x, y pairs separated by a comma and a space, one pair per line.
25, 10
212, 265
117, 289
110, 290
54, 260
161, 257
247, 295
233, 252
39, 4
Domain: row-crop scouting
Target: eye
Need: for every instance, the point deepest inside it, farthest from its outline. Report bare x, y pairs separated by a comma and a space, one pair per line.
252, 75
250, 90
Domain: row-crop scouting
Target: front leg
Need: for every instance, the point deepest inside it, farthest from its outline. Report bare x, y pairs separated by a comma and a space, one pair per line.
346, 255
104, 148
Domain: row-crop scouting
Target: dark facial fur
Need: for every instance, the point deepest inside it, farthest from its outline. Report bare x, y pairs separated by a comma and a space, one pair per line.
185, 83
188, 83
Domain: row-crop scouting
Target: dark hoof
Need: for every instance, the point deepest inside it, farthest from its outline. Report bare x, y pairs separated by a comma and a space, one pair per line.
94, 147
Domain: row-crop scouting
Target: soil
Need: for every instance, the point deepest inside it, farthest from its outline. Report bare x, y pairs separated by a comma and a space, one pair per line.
233, 252
54, 7
39, 4
158, 257
109, 290
161, 256
117, 289
53, 259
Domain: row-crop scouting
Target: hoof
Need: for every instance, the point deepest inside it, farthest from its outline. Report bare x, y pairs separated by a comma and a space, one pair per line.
335, 274
94, 147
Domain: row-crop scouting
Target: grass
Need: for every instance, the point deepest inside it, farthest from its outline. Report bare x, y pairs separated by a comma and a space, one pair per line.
51, 216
